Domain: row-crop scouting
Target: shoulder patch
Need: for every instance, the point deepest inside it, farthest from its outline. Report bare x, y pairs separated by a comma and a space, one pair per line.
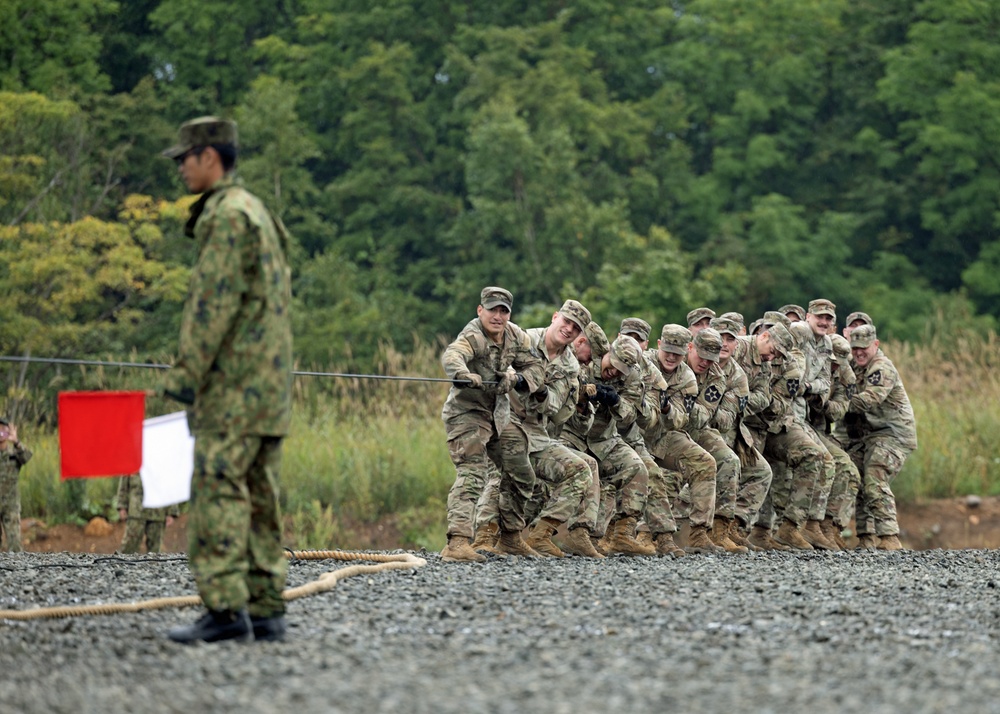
793, 386
689, 400
743, 403
875, 378
851, 389
712, 394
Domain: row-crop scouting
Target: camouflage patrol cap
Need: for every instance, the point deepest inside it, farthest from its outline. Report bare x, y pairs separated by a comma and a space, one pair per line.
599, 344
635, 326
575, 312
755, 327
821, 306
202, 132
625, 354
841, 347
802, 333
863, 336
795, 309
863, 316
781, 338
698, 314
735, 317
492, 296
675, 338
708, 344
775, 317
725, 326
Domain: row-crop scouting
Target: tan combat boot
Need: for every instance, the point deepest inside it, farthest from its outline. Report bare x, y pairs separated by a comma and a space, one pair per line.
540, 538
486, 538
788, 534
737, 537
761, 538
832, 532
645, 538
867, 541
814, 535
665, 546
578, 542
511, 543
720, 536
621, 539
699, 541
599, 544
889, 542
459, 550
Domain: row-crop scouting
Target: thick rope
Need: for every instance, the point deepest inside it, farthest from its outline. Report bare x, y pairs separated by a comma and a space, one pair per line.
327, 581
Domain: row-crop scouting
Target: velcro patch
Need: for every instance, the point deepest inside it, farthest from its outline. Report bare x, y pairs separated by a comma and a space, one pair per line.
875, 378
793, 386
712, 394
689, 401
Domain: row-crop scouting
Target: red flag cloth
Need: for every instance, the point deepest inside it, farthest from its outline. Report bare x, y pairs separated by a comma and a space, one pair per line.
100, 433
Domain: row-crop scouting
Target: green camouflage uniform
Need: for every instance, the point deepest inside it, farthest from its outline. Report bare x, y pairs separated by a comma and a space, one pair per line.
479, 427
12, 458
888, 435
234, 371
141, 522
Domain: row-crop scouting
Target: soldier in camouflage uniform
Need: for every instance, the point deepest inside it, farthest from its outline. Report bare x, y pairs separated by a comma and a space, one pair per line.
856, 319
699, 318
676, 453
794, 313
13, 455
755, 473
234, 374
490, 356
141, 522
888, 434
703, 359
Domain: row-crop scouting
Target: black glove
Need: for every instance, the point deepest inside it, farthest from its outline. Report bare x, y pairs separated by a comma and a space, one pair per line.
665, 403
607, 396
541, 393
521, 385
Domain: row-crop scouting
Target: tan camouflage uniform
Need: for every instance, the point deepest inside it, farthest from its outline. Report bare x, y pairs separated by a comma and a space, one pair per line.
12, 458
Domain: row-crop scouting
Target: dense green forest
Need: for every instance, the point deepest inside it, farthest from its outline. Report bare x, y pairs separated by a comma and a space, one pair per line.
642, 156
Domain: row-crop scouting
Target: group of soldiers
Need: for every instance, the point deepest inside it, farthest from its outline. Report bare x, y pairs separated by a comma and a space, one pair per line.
768, 436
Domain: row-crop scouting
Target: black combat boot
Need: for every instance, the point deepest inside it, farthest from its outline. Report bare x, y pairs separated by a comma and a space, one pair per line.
269, 629
215, 626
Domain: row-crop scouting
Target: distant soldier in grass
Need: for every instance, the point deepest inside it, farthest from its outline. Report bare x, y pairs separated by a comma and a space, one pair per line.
13, 455
140, 522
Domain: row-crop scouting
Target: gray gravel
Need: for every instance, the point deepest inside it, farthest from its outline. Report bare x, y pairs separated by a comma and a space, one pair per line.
859, 632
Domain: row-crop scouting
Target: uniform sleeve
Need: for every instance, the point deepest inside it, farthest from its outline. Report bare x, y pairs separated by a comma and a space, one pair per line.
560, 402
759, 396
874, 388
22, 454
218, 284
627, 409
527, 363
456, 357
732, 403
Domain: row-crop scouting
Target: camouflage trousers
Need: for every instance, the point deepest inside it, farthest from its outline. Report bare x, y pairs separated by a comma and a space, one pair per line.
807, 462
472, 446
657, 515
727, 470
234, 526
617, 470
684, 462
10, 512
755, 482
138, 527
841, 498
879, 459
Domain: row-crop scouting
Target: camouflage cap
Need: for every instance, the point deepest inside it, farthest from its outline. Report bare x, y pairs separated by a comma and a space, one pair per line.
735, 317
781, 339
725, 326
708, 344
821, 306
575, 312
599, 344
625, 354
755, 327
795, 309
675, 338
698, 314
863, 336
841, 347
775, 317
493, 296
637, 327
863, 316
202, 132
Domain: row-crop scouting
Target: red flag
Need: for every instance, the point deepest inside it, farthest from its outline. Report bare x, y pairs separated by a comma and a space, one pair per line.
100, 433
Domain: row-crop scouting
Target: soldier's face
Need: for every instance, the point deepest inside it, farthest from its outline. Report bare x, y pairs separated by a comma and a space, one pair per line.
863, 355
494, 320
698, 364
581, 348
854, 325
765, 347
608, 370
564, 330
728, 345
669, 360
194, 170
700, 325
638, 338
820, 324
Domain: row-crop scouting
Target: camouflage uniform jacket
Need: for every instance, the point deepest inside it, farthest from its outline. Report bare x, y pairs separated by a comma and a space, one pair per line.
562, 381
844, 386
734, 400
648, 411
758, 373
130, 498
474, 351
681, 390
817, 380
711, 388
234, 364
883, 401
603, 434
12, 458
786, 380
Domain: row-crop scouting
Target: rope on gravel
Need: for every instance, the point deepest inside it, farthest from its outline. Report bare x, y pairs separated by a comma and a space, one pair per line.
327, 581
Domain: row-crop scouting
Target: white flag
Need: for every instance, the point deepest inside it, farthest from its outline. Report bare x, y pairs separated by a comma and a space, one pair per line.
167, 460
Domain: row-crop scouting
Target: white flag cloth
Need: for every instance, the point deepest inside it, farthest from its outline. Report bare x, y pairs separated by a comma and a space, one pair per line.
167, 460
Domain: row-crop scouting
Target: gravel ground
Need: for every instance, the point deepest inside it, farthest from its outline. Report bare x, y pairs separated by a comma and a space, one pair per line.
880, 632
